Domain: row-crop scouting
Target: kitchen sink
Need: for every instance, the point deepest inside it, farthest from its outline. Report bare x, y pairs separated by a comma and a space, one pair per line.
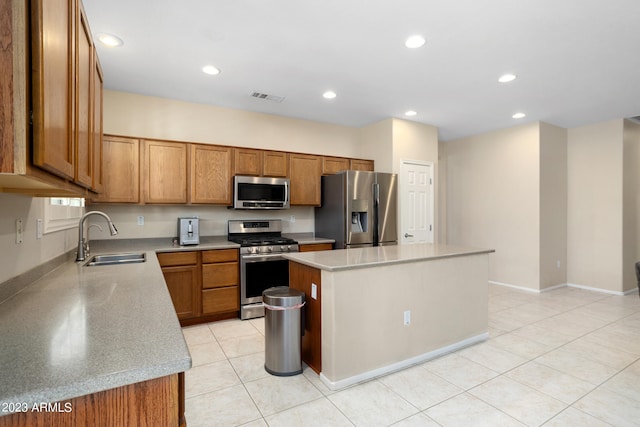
115, 259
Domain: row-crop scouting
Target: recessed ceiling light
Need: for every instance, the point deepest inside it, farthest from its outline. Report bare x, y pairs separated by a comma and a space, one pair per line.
329, 94
109, 40
211, 70
415, 41
518, 115
506, 78
410, 113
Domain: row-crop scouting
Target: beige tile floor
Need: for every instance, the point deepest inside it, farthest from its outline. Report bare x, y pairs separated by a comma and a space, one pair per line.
568, 357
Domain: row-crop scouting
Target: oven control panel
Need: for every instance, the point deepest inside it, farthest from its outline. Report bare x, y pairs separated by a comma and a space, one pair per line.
268, 249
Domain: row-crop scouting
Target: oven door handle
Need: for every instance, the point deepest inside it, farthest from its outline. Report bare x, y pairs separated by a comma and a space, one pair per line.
260, 257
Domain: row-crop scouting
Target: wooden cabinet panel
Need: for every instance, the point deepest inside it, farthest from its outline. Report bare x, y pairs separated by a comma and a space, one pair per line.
83, 102
168, 259
305, 172
53, 26
332, 165
301, 277
164, 172
315, 247
220, 274
156, 402
361, 165
220, 255
247, 162
184, 294
220, 300
275, 163
120, 162
211, 173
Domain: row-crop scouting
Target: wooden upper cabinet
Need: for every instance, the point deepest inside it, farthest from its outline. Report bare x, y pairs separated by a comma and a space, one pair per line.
305, 172
211, 173
53, 27
247, 162
275, 164
121, 164
96, 125
332, 165
361, 165
164, 172
83, 102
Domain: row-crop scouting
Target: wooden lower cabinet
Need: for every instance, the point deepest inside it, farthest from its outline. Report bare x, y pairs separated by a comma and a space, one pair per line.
220, 281
204, 285
156, 402
181, 272
301, 277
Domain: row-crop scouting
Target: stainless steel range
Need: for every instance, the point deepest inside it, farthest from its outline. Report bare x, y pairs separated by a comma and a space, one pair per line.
261, 263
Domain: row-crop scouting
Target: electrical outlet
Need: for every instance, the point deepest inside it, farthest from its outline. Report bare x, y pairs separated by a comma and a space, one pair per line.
39, 228
19, 231
558, 264
314, 291
407, 317
140, 220
292, 218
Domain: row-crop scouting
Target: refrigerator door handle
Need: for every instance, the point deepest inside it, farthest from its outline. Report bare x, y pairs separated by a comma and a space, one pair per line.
376, 194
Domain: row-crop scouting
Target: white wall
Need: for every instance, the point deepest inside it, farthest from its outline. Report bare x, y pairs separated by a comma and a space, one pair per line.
493, 200
631, 203
594, 205
17, 258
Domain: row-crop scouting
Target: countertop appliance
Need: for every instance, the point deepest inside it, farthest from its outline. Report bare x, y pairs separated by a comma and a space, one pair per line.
258, 192
261, 263
359, 208
188, 230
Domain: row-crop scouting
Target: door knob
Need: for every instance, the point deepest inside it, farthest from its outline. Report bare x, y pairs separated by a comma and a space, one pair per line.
406, 235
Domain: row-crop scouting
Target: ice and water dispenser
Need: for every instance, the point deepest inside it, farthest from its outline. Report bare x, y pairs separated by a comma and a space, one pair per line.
359, 216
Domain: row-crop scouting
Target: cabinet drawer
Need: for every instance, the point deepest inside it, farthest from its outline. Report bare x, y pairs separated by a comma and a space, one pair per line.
217, 275
220, 300
316, 247
220, 255
167, 259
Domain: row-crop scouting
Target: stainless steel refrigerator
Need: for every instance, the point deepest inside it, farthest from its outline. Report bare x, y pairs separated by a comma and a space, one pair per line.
358, 209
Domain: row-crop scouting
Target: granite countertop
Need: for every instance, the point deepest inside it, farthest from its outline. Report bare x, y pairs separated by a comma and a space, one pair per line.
347, 259
79, 330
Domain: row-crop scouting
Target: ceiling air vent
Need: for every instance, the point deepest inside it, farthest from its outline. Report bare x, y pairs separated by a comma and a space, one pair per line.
266, 96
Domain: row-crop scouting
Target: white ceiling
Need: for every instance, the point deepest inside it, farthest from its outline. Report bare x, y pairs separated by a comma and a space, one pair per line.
577, 61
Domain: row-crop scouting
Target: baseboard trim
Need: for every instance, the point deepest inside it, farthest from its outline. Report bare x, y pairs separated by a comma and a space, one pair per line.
564, 285
337, 385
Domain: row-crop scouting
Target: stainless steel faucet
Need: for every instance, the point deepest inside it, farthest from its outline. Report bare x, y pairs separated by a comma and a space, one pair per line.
83, 245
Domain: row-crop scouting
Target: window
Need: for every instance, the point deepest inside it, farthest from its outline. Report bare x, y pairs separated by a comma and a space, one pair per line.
61, 213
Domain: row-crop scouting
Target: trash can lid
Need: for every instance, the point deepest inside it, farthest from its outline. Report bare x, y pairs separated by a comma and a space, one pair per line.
282, 296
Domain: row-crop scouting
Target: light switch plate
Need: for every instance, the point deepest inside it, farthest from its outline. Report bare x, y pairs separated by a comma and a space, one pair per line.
314, 291
39, 227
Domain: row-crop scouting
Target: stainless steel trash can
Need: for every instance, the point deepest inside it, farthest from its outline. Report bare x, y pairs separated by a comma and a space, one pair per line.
283, 330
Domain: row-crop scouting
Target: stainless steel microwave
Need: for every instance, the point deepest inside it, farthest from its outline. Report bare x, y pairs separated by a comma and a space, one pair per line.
256, 192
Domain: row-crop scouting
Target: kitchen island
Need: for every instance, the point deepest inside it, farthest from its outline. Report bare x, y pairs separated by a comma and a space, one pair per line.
93, 346
375, 310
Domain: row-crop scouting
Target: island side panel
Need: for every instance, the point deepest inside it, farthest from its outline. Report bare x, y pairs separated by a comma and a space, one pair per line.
301, 277
362, 312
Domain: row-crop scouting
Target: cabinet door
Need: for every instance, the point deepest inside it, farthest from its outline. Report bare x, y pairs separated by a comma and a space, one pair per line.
315, 247
83, 103
52, 23
164, 177
220, 300
219, 275
120, 161
274, 163
361, 165
247, 162
184, 294
96, 125
332, 165
305, 171
210, 174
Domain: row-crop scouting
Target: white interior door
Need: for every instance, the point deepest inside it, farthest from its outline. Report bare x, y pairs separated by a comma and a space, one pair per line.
416, 202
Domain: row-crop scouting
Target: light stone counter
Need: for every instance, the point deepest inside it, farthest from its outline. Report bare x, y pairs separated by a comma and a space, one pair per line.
346, 259
307, 238
79, 330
